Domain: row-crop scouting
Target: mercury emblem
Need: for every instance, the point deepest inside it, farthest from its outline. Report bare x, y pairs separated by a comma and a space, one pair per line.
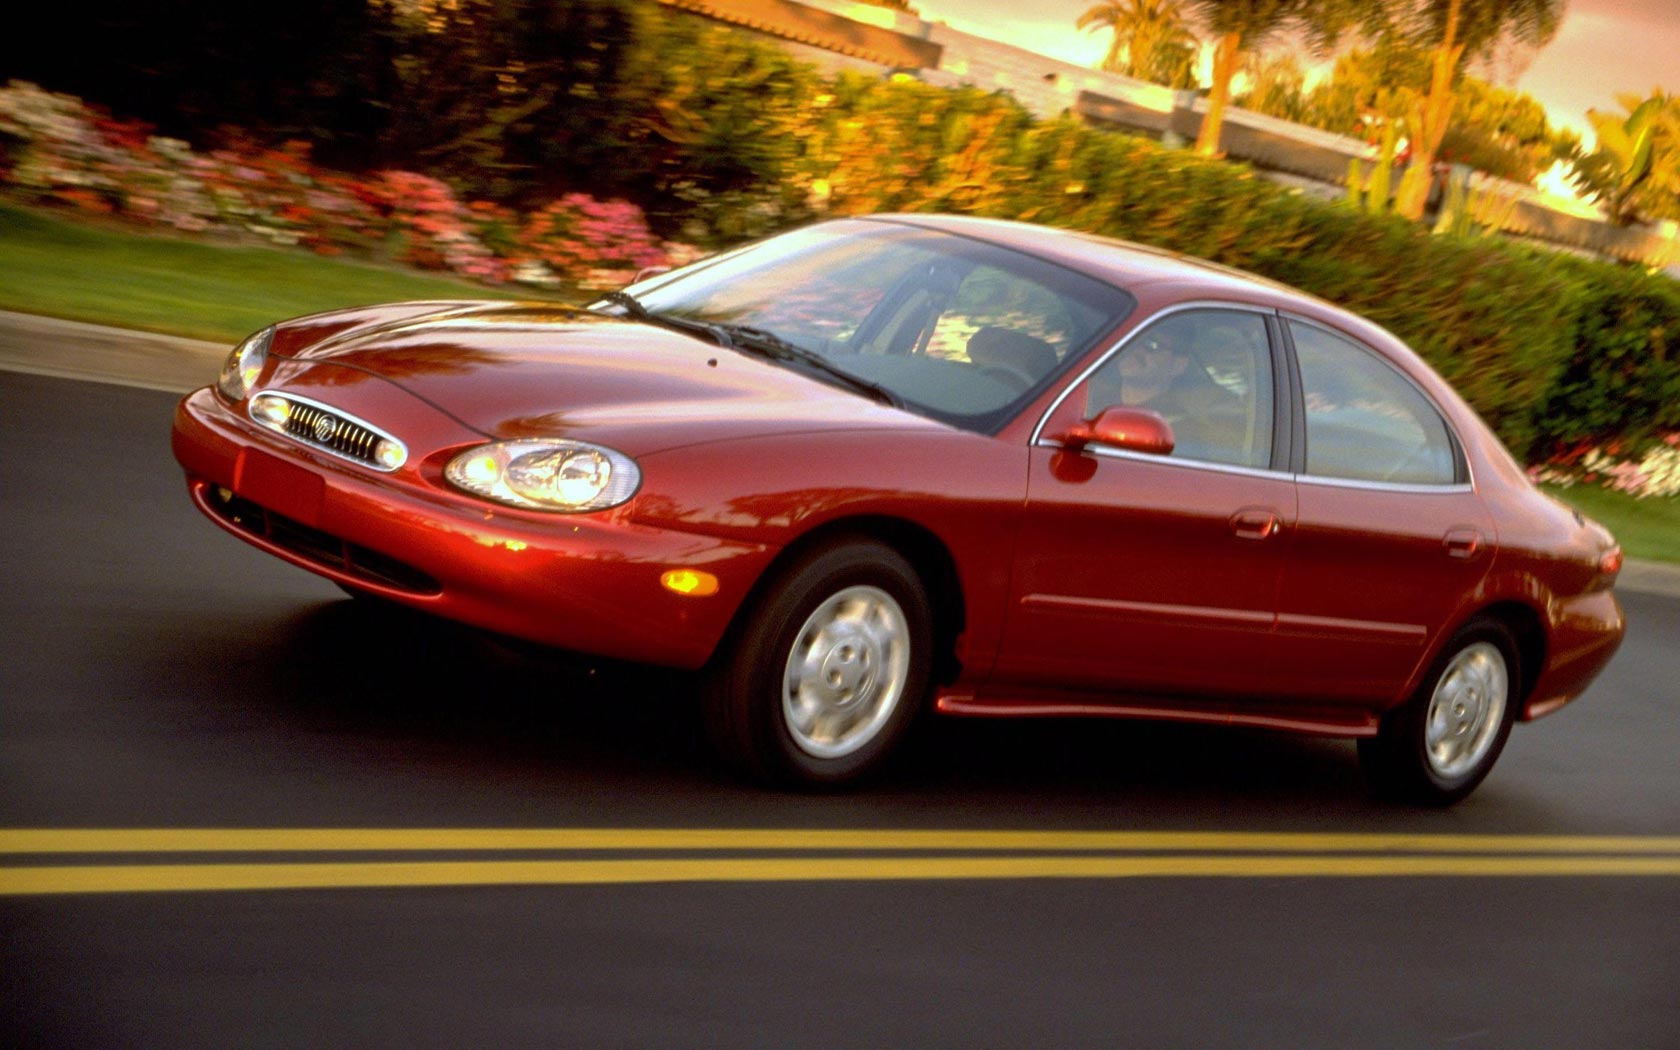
324, 428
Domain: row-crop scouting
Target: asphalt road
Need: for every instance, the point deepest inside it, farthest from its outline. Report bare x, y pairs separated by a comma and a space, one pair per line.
157, 674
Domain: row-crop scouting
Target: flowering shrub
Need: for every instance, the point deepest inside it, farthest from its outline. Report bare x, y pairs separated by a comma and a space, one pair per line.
280, 196
1655, 473
601, 243
433, 230
70, 153
66, 157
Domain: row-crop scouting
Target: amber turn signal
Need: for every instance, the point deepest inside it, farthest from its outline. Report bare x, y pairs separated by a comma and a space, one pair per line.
690, 582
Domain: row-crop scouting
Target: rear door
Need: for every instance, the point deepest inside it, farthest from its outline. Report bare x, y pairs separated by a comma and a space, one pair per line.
1391, 536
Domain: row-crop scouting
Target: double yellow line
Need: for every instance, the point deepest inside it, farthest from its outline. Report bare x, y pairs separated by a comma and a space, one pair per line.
221, 858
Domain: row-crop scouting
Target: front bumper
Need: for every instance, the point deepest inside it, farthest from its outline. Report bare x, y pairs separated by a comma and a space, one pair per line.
588, 582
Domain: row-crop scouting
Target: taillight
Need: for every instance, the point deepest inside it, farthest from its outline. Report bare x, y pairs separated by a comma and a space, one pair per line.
1609, 564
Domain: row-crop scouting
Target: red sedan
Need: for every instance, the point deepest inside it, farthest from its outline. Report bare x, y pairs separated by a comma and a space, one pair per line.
882, 465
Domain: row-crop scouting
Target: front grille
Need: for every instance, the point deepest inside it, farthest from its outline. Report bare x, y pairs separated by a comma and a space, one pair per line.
326, 428
317, 547
312, 426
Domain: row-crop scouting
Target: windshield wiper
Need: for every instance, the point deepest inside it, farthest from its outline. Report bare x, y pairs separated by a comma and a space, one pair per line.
634, 309
774, 346
759, 340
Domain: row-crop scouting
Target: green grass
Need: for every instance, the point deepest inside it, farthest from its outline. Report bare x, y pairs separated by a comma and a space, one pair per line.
86, 272
1646, 528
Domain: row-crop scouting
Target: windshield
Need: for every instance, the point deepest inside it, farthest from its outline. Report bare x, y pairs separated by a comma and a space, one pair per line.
949, 326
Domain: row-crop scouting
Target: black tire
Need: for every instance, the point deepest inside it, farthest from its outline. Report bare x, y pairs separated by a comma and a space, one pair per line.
859, 606
1435, 748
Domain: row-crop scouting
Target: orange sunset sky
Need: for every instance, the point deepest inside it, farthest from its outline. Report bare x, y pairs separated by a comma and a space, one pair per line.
1603, 47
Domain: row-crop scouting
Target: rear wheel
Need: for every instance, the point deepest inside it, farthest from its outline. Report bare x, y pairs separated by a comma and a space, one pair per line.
1438, 746
827, 671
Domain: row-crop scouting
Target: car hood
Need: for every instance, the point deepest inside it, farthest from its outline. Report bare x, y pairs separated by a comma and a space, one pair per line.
519, 371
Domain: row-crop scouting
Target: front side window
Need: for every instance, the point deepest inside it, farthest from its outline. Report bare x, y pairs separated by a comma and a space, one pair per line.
1366, 421
1208, 373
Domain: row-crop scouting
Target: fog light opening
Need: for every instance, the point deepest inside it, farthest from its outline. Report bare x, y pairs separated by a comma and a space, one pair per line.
275, 411
389, 454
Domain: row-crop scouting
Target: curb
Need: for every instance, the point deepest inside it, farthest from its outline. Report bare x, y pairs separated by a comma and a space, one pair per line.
51, 346
1650, 577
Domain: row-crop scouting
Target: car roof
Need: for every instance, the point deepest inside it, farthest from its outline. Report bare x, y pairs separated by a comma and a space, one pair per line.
1154, 273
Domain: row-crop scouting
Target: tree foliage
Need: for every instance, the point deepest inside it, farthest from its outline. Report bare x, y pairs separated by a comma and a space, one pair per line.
1453, 32
1503, 132
1493, 129
503, 95
313, 69
1473, 27
1635, 170
1241, 27
1150, 40
1276, 85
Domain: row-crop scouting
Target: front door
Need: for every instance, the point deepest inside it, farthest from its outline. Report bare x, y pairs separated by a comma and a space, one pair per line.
1158, 574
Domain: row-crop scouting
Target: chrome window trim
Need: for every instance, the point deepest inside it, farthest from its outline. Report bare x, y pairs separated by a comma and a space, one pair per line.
1459, 448
1168, 460
250, 406
1201, 464
1274, 475
1415, 487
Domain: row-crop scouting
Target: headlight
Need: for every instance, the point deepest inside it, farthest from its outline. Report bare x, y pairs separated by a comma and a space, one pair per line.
546, 474
244, 365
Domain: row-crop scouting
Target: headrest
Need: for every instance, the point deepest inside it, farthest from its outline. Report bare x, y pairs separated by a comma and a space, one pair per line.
1005, 346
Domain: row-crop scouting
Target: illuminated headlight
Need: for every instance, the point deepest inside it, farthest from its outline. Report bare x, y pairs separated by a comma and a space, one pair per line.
546, 475
244, 365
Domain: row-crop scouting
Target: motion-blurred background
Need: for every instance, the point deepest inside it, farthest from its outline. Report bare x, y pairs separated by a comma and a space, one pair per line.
153, 156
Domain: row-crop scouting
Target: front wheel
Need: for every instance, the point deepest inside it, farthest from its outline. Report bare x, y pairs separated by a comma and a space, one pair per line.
827, 671
1438, 746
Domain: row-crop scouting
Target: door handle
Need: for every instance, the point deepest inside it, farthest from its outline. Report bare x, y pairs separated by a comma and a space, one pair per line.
1256, 523
1463, 543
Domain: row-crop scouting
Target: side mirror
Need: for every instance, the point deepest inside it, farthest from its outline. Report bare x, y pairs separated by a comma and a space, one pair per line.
1131, 429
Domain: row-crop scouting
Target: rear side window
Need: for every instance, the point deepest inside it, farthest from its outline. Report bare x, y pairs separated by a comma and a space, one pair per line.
1366, 421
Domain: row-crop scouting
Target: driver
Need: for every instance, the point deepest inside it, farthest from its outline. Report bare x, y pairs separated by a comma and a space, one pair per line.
1158, 373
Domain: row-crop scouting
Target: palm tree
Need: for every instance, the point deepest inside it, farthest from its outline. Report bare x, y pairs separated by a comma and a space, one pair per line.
1241, 26
1146, 32
1454, 31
